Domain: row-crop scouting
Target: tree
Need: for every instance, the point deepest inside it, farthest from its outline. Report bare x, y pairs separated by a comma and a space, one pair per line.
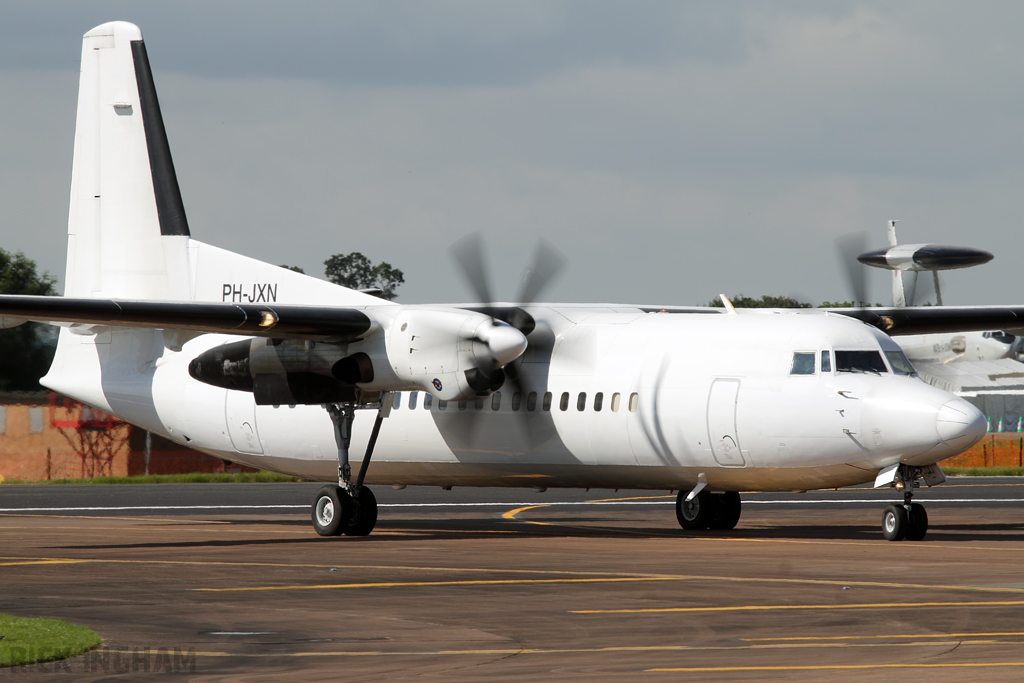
355, 271
766, 301
295, 268
25, 351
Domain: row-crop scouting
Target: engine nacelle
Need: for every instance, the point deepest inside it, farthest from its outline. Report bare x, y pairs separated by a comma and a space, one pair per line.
285, 372
451, 353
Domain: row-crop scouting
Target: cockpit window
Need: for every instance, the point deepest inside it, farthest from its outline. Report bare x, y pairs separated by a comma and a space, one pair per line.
803, 363
900, 364
999, 336
860, 361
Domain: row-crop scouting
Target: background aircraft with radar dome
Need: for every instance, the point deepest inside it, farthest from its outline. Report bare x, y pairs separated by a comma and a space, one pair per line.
268, 367
904, 259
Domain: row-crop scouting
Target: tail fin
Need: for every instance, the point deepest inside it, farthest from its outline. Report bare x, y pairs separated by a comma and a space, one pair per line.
128, 236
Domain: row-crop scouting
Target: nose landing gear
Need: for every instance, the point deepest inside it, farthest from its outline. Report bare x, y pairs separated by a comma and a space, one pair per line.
706, 510
909, 520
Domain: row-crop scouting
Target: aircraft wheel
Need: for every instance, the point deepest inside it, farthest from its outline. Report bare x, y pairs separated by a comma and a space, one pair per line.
894, 522
696, 514
332, 508
727, 511
364, 514
917, 522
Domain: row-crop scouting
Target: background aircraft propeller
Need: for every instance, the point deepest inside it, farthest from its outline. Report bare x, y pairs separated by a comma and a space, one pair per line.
849, 247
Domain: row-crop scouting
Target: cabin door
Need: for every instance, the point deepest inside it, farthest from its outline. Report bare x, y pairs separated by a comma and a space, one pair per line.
725, 444
240, 411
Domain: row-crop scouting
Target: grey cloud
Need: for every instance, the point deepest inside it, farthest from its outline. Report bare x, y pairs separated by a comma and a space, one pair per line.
386, 43
672, 151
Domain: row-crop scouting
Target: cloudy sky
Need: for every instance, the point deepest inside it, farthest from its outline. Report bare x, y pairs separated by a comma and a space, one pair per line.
670, 150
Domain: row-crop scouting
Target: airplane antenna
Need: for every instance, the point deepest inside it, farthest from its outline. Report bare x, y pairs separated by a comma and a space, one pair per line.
729, 308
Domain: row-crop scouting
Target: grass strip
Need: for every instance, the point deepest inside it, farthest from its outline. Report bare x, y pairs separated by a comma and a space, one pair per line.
984, 471
29, 641
190, 478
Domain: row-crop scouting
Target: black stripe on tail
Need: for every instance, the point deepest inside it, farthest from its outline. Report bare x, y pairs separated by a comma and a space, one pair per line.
169, 206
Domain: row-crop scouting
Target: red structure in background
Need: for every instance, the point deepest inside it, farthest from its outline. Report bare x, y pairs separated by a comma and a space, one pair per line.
97, 438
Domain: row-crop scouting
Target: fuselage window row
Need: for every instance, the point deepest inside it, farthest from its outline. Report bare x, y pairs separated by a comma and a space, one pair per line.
517, 402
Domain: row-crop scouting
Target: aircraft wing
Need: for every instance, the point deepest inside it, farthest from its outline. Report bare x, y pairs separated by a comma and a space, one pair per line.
277, 320
938, 319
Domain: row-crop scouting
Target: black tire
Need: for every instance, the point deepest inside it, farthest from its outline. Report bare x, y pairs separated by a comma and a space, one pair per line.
332, 508
894, 523
696, 514
917, 525
727, 508
364, 514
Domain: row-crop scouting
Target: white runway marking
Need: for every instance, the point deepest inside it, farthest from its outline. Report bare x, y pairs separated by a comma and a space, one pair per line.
788, 501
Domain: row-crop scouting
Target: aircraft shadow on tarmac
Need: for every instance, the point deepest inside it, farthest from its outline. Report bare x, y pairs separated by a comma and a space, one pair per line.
399, 531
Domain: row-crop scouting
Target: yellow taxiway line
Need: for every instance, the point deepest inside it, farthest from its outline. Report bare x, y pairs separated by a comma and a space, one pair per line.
504, 651
770, 608
430, 584
831, 667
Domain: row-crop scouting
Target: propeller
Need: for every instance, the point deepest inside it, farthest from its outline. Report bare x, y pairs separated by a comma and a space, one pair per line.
849, 247
912, 294
545, 266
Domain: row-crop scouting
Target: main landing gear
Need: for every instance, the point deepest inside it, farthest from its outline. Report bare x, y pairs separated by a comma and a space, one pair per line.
348, 508
701, 509
910, 520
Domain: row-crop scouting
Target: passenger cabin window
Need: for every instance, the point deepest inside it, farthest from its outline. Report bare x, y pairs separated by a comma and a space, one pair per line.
803, 363
900, 364
517, 400
496, 400
462, 405
442, 405
581, 402
531, 401
563, 403
598, 401
478, 404
826, 361
860, 361
616, 398
547, 401
398, 401
428, 400
412, 399
633, 399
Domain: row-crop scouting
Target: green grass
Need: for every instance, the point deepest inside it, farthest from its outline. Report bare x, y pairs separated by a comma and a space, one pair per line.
984, 471
27, 641
191, 478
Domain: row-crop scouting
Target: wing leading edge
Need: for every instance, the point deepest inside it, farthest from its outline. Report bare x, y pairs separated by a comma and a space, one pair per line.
278, 320
938, 319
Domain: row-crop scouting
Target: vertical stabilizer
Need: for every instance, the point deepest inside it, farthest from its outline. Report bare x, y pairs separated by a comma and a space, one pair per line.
127, 231
899, 296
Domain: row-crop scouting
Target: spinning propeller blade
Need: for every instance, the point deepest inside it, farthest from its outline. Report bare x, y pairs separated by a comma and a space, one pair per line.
547, 263
849, 247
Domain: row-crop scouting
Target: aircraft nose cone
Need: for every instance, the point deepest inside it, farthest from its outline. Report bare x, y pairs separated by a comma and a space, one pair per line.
960, 424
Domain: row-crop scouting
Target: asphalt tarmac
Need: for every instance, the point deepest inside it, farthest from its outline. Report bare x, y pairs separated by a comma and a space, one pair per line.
229, 582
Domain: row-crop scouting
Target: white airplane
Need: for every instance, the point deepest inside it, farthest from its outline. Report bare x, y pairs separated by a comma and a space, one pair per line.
264, 366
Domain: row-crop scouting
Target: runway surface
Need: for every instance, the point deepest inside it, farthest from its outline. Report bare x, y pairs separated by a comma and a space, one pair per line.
229, 582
